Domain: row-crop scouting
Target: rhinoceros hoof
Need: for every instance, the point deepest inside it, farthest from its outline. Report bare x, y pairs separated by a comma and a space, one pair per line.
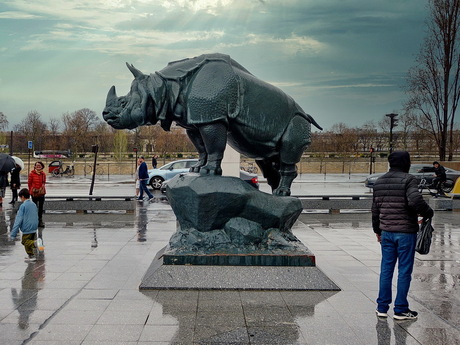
282, 191
210, 170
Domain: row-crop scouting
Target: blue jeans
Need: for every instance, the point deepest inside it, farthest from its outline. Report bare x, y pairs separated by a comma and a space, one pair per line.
396, 246
143, 187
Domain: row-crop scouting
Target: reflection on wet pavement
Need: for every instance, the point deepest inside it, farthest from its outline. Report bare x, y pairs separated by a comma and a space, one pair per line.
142, 222
85, 291
25, 300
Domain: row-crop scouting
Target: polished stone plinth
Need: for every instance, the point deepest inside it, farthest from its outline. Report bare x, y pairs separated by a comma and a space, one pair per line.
241, 259
220, 277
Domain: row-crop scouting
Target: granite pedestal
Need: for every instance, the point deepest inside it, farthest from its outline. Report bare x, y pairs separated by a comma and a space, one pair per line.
232, 236
161, 276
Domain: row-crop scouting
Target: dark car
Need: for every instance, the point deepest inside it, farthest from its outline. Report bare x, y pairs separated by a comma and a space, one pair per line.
420, 171
252, 179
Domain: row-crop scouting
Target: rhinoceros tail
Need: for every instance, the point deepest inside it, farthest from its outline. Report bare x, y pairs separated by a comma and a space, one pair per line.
313, 122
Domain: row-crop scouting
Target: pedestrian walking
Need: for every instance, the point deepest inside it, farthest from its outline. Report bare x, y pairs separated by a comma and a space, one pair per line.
136, 179
3, 185
36, 184
396, 206
15, 183
154, 161
143, 179
27, 222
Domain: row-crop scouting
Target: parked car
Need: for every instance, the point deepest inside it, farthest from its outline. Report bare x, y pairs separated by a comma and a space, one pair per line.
250, 178
420, 171
168, 171
157, 177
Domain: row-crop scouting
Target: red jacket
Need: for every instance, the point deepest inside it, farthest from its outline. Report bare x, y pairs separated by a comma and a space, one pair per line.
36, 180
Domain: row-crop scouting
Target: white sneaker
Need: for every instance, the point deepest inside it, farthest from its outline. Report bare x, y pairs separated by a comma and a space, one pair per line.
30, 258
381, 314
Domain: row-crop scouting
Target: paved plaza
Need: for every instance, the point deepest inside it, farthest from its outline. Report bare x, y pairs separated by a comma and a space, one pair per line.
84, 289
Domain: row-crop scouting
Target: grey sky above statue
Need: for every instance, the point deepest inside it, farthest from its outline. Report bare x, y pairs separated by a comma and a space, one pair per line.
218, 101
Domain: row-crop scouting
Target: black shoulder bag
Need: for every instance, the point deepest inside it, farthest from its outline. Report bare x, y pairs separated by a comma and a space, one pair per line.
424, 235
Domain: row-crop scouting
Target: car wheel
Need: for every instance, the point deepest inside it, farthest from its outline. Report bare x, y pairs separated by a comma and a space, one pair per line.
156, 181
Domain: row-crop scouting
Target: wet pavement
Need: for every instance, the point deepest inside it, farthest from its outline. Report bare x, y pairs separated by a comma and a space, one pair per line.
84, 288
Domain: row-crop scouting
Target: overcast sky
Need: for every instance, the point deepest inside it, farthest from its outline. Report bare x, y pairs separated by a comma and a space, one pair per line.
341, 60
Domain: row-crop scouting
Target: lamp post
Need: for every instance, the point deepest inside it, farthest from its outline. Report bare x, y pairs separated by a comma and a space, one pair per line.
371, 150
95, 150
135, 159
393, 123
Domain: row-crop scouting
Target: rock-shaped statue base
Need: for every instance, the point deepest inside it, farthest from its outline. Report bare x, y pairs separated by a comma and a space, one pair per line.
225, 221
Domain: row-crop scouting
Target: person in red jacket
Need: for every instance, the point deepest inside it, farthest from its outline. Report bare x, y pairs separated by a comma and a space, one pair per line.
36, 182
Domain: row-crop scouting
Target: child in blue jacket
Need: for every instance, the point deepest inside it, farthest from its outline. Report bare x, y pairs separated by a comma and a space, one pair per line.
26, 221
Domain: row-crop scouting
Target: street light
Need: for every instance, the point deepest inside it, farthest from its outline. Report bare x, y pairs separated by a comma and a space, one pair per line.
372, 159
95, 150
135, 162
393, 123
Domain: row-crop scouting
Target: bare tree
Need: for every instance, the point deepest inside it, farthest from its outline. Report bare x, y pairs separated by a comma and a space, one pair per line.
405, 130
54, 140
367, 135
78, 126
33, 128
433, 85
3, 122
345, 139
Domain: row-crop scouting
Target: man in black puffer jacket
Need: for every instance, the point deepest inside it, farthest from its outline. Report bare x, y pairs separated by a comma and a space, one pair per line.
395, 209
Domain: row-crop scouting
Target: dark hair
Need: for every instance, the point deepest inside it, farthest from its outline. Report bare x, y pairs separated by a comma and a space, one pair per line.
43, 165
24, 192
435, 162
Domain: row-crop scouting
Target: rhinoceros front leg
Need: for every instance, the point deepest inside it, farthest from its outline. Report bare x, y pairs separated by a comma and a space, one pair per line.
195, 137
214, 136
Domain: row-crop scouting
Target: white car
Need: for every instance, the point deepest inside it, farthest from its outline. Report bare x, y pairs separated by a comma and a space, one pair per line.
168, 171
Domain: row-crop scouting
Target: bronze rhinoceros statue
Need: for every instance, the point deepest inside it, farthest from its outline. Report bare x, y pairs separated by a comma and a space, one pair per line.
218, 101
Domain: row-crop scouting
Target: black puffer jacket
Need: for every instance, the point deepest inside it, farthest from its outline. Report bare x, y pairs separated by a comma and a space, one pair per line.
397, 202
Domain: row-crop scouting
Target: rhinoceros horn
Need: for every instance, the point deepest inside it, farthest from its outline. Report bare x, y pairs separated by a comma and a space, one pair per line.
111, 96
134, 71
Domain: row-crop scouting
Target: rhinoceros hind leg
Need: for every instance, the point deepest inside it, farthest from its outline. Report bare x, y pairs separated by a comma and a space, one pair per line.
288, 174
195, 137
270, 170
214, 137
293, 142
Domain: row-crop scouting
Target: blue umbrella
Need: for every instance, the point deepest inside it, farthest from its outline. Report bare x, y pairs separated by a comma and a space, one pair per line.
6, 162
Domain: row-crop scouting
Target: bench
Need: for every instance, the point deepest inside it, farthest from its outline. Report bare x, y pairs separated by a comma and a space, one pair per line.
335, 203
85, 203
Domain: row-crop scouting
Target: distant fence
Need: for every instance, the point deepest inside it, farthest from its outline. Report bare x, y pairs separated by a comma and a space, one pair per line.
305, 166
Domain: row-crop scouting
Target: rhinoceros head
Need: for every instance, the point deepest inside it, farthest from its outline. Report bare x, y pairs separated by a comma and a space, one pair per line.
135, 109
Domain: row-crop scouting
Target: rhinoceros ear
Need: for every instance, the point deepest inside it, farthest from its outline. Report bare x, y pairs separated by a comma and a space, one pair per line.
134, 71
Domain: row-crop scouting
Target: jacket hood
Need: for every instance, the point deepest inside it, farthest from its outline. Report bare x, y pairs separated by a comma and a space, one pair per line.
399, 160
